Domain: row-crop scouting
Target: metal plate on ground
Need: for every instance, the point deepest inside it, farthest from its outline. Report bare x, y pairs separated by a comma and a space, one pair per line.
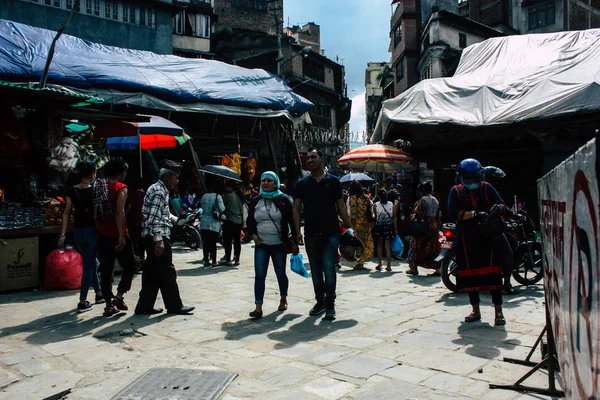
178, 384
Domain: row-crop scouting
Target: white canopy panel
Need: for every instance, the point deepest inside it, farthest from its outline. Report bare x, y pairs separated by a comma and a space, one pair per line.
505, 80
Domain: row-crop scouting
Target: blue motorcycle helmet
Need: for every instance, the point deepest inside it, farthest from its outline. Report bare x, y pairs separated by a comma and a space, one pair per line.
470, 173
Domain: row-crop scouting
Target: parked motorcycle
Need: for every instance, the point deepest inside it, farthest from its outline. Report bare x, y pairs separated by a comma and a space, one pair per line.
523, 240
186, 230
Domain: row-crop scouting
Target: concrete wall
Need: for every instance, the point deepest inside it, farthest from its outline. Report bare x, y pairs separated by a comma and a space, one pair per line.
520, 18
95, 29
450, 35
231, 17
191, 43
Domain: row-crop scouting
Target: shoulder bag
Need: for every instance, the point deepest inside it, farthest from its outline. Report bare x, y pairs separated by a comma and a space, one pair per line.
288, 246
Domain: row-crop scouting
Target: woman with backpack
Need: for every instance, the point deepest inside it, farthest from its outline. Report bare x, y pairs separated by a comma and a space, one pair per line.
84, 232
271, 226
210, 225
384, 228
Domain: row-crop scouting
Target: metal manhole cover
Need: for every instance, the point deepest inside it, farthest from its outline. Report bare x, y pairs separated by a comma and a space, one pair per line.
178, 384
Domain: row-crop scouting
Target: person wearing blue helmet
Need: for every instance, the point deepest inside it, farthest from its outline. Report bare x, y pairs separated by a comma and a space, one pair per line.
477, 267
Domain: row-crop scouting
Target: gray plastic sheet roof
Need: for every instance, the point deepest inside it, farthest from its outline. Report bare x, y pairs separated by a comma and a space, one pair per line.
503, 81
144, 78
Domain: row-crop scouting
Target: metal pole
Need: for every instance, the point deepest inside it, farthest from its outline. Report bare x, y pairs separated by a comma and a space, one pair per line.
44, 76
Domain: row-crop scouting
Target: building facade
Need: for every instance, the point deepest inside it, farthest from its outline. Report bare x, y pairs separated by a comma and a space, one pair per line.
262, 16
443, 38
123, 23
404, 43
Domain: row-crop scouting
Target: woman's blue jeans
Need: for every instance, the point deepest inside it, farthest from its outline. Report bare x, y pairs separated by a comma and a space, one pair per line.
262, 254
85, 240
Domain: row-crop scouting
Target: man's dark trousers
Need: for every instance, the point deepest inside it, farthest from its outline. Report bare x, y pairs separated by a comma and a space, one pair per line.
159, 274
107, 253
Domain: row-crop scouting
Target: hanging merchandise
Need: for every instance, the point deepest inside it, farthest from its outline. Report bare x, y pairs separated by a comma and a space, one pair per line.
237, 164
64, 155
250, 167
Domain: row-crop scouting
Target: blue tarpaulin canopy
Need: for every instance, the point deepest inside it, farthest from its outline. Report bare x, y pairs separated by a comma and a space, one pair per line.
144, 78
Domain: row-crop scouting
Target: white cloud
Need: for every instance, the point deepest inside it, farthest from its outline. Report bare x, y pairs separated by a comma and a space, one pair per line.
358, 117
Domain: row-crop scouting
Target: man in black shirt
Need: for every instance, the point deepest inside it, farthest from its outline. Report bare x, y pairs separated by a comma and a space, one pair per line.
321, 195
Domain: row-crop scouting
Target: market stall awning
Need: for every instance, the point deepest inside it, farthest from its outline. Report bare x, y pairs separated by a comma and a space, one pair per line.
143, 78
503, 81
25, 92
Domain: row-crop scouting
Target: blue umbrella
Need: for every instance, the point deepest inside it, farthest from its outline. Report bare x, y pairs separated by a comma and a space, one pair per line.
356, 177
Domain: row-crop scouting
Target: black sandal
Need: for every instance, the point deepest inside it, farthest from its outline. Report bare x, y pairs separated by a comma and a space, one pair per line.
473, 317
412, 272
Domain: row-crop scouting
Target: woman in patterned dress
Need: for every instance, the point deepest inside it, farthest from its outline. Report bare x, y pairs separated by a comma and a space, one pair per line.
424, 249
360, 210
384, 228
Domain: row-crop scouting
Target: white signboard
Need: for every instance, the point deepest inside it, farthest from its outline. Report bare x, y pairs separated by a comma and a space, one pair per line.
570, 221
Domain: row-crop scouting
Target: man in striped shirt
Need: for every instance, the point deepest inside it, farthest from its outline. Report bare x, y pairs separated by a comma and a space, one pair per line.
159, 271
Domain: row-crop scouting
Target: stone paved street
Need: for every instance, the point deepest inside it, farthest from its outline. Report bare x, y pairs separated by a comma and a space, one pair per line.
396, 337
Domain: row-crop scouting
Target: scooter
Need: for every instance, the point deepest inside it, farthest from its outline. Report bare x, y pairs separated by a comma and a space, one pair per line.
185, 230
523, 240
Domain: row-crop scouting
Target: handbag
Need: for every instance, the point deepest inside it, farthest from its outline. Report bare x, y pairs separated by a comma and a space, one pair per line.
418, 227
219, 216
288, 246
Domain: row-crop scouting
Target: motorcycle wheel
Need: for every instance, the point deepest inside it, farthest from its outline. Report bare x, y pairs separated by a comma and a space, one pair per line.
191, 238
528, 267
448, 276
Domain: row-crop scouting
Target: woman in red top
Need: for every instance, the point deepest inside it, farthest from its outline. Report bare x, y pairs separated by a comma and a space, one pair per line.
113, 239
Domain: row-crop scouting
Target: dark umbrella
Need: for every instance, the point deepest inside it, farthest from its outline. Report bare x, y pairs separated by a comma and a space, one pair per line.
222, 171
494, 172
356, 177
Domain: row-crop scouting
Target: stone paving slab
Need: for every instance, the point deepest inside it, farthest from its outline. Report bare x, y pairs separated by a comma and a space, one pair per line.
396, 337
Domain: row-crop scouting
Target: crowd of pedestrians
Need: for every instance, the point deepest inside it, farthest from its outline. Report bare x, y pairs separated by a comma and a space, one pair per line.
133, 226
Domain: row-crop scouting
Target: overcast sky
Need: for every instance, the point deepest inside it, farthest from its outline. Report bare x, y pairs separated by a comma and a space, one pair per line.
356, 31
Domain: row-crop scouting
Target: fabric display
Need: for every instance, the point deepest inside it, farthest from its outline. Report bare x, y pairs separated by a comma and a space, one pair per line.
233, 162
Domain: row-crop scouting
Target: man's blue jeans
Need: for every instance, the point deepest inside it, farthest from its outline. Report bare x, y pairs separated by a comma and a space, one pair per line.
262, 254
322, 252
85, 240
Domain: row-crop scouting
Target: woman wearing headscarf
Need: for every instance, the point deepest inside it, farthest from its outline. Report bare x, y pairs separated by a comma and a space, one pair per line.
360, 210
270, 224
425, 248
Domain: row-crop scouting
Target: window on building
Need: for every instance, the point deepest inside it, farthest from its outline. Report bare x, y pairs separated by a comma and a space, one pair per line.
48, 2
97, 8
202, 26
400, 70
179, 23
88, 6
258, 5
541, 15
398, 34
313, 70
57, 3
462, 40
107, 8
115, 10
70, 4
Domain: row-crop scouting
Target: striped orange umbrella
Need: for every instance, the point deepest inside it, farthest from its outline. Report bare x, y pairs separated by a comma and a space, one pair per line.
377, 158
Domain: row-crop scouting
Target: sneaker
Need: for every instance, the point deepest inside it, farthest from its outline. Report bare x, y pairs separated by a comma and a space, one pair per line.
99, 299
81, 308
330, 314
182, 311
120, 304
318, 309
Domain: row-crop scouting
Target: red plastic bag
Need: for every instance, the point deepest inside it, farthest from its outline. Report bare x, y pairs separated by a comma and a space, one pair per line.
64, 268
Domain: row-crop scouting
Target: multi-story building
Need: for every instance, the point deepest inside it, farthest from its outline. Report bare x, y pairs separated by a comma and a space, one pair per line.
308, 35
192, 28
377, 75
404, 43
131, 24
443, 38
533, 16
